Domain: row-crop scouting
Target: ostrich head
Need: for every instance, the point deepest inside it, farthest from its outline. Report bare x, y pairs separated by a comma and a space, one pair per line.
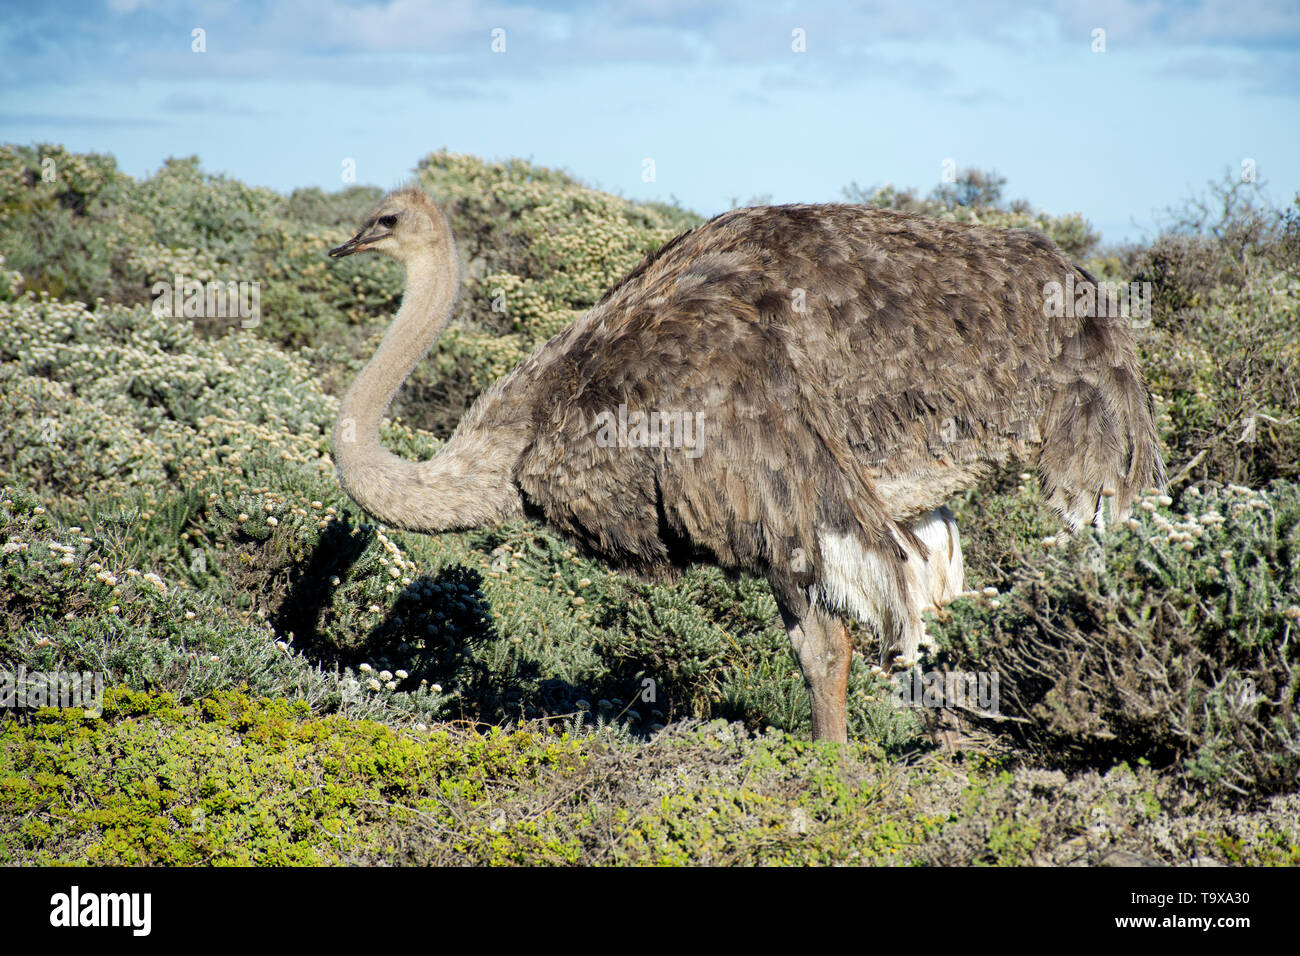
405, 221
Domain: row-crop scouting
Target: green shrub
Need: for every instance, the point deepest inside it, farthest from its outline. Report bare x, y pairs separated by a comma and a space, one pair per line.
1169, 639
976, 197
1223, 354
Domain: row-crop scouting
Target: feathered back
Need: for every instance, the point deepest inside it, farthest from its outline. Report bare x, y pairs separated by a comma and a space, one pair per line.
847, 368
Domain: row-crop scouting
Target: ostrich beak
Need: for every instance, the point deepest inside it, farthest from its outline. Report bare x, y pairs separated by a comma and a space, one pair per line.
358, 242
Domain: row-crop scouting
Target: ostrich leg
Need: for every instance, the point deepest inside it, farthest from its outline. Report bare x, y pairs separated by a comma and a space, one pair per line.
821, 642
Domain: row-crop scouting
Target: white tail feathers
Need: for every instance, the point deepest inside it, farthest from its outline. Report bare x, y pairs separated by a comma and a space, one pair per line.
863, 583
941, 576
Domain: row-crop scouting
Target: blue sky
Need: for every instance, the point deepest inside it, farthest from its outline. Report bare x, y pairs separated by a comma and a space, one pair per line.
713, 92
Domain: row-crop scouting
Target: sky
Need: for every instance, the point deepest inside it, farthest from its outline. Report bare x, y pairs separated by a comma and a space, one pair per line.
1116, 109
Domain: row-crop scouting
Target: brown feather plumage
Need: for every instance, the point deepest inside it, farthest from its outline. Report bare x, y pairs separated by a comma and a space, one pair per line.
922, 359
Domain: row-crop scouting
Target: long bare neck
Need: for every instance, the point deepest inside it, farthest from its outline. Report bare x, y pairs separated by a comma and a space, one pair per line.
468, 483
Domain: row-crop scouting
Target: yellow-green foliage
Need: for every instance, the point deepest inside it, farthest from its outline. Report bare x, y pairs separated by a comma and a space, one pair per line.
237, 781
842, 811
231, 779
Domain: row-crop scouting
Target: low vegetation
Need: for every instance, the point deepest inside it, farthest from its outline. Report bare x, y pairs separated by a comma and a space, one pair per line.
304, 686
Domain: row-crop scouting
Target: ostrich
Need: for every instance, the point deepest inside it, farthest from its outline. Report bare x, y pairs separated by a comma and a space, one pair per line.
844, 371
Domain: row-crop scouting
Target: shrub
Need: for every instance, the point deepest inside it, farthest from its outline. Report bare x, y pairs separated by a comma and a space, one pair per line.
1223, 355
976, 197
198, 453
1168, 639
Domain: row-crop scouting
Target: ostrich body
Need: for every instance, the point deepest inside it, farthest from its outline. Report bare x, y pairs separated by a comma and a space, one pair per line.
844, 370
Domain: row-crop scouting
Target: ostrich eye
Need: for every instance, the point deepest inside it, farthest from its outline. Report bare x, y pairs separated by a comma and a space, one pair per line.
388, 222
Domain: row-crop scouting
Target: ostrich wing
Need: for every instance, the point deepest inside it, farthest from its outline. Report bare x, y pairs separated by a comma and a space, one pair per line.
768, 469
848, 367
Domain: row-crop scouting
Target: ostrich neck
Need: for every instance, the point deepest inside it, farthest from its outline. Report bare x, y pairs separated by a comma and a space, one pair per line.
425, 311
468, 483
